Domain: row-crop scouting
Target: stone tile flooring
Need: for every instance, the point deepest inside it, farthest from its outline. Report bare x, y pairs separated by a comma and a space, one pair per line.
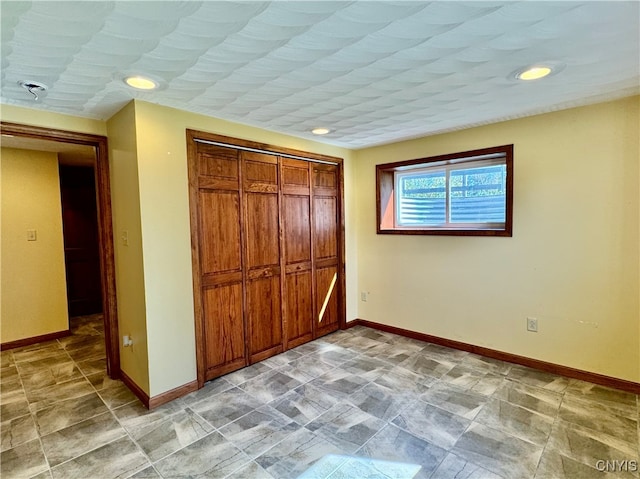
313, 411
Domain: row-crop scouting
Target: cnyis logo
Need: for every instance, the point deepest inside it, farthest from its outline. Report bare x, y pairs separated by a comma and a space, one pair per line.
626, 465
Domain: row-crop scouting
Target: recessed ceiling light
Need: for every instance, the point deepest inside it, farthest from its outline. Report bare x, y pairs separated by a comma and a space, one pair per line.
320, 131
141, 83
534, 73
537, 71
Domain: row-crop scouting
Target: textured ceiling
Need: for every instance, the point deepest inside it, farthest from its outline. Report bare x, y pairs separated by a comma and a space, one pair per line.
372, 72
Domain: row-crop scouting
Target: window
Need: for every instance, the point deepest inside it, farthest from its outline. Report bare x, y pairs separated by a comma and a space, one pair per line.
468, 193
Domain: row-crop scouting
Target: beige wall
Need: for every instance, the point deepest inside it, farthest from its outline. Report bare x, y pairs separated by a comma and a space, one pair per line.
573, 260
164, 207
34, 295
125, 203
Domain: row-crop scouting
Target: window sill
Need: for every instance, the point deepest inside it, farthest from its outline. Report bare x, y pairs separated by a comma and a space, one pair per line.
444, 232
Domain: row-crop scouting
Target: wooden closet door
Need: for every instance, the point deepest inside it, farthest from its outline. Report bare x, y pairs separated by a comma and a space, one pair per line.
297, 261
262, 246
325, 212
220, 259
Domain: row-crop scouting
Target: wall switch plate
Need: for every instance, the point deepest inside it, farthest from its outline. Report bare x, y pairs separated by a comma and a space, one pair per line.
532, 325
32, 235
125, 238
363, 296
127, 341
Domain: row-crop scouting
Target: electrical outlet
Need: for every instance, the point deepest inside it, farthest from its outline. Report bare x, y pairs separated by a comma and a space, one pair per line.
32, 235
532, 325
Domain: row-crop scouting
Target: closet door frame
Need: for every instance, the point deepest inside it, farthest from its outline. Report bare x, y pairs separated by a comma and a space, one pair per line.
192, 137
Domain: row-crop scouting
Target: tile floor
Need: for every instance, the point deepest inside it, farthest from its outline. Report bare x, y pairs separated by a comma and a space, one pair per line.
340, 407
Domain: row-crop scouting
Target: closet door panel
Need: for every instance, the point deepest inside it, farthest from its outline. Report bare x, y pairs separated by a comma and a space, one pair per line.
295, 177
217, 177
325, 212
224, 331
264, 318
327, 299
325, 247
263, 237
299, 308
220, 231
260, 173
263, 289
217, 162
298, 283
297, 231
325, 177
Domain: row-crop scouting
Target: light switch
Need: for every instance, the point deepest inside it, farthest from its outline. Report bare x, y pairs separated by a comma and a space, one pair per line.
32, 235
125, 238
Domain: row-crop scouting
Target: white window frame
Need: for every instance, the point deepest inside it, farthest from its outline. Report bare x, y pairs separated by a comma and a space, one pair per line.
447, 168
388, 176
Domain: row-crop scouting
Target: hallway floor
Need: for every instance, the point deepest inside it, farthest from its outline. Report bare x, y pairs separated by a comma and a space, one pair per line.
355, 404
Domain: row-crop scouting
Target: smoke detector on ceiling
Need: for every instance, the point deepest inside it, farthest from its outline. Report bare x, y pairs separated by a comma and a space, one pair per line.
36, 88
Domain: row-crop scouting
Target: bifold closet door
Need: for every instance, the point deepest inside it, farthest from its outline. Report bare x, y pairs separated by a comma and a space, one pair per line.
262, 246
325, 181
221, 271
266, 238
297, 255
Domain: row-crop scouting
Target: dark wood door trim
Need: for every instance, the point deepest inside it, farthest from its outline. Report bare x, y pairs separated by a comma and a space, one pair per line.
342, 270
238, 143
196, 271
105, 225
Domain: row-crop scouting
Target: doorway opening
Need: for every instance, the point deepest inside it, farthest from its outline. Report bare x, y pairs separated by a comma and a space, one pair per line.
46, 139
80, 234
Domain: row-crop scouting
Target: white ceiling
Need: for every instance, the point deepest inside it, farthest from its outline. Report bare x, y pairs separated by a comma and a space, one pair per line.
373, 72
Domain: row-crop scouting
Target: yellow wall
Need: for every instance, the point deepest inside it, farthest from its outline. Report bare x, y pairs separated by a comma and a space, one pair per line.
125, 203
164, 207
34, 295
147, 153
47, 119
573, 260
